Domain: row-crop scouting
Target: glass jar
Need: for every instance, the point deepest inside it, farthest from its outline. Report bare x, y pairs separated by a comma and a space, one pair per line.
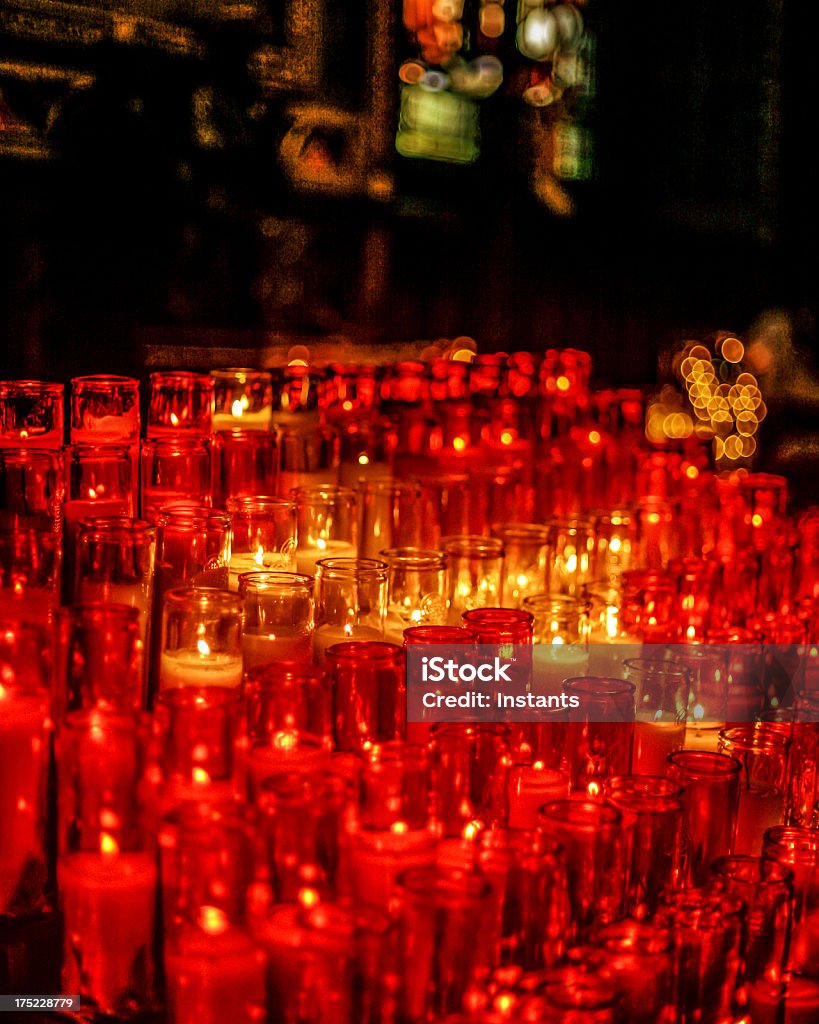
31, 414
661, 696
263, 535
105, 410
415, 590
763, 754
201, 638
174, 469
797, 848
526, 560
279, 613
391, 516
245, 462
327, 525
573, 546
369, 692
242, 398
601, 730
289, 697
180, 404
351, 601
470, 765
474, 574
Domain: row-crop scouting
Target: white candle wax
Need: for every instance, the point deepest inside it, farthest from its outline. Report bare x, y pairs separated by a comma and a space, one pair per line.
242, 420
24, 727
529, 789
108, 904
214, 978
263, 561
306, 557
378, 856
261, 649
552, 663
703, 735
326, 636
653, 742
187, 667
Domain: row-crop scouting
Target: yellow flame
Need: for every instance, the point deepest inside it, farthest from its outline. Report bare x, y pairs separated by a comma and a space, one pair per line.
174, 420
593, 789
259, 556
363, 459
399, 827
308, 897
203, 646
108, 844
213, 921
237, 409
458, 443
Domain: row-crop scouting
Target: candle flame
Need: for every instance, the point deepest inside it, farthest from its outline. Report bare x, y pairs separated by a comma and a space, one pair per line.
237, 408
348, 629
213, 921
174, 420
308, 897
108, 844
259, 556
321, 544
363, 459
472, 830
398, 827
285, 740
203, 646
200, 777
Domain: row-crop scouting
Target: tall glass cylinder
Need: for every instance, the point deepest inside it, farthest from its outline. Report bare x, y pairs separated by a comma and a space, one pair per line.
351, 601
597, 841
327, 525
115, 564
573, 555
214, 971
242, 398
200, 737
105, 410
797, 848
263, 535
245, 462
530, 787
308, 453
711, 785
661, 700
656, 806
415, 590
174, 469
474, 573
445, 940
390, 516
279, 614
180, 404
765, 888
99, 659
31, 414
369, 692
25, 741
106, 868
634, 957
303, 834
470, 765
201, 638
601, 730
527, 872
763, 754
289, 697
526, 560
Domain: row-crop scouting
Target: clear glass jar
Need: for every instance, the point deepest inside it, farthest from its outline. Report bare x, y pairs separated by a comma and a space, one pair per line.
263, 535
309, 454
279, 615
351, 601
242, 398
526, 560
327, 527
31, 414
391, 516
415, 590
180, 404
474, 573
573, 546
201, 638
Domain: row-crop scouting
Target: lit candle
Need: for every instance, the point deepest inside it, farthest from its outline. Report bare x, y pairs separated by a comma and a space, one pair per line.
200, 667
108, 904
363, 468
259, 561
703, 735
215, 974
287, 751
135, 595
306, 557
24, 725
653, 742
530, 787
378, 856
552, 663
326, 636
261, 649
240, 417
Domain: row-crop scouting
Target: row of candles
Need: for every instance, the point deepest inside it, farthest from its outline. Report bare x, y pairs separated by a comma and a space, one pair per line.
318, 858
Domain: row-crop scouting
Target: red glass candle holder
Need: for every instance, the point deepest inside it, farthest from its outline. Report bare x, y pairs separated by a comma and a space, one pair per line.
263, 535
656, 806
242, 398
245, 462
289, 697
369, 692
200, 737
797, 848
763, 754
601, 731
104, 410
470, 766
99, 659
31, 414
174, 469
303, 831
597, 841
711, 785
180, 403
634, 957
25, 740
661, 699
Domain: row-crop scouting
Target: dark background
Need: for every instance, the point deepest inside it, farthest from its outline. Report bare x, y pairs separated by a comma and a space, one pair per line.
131, 237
